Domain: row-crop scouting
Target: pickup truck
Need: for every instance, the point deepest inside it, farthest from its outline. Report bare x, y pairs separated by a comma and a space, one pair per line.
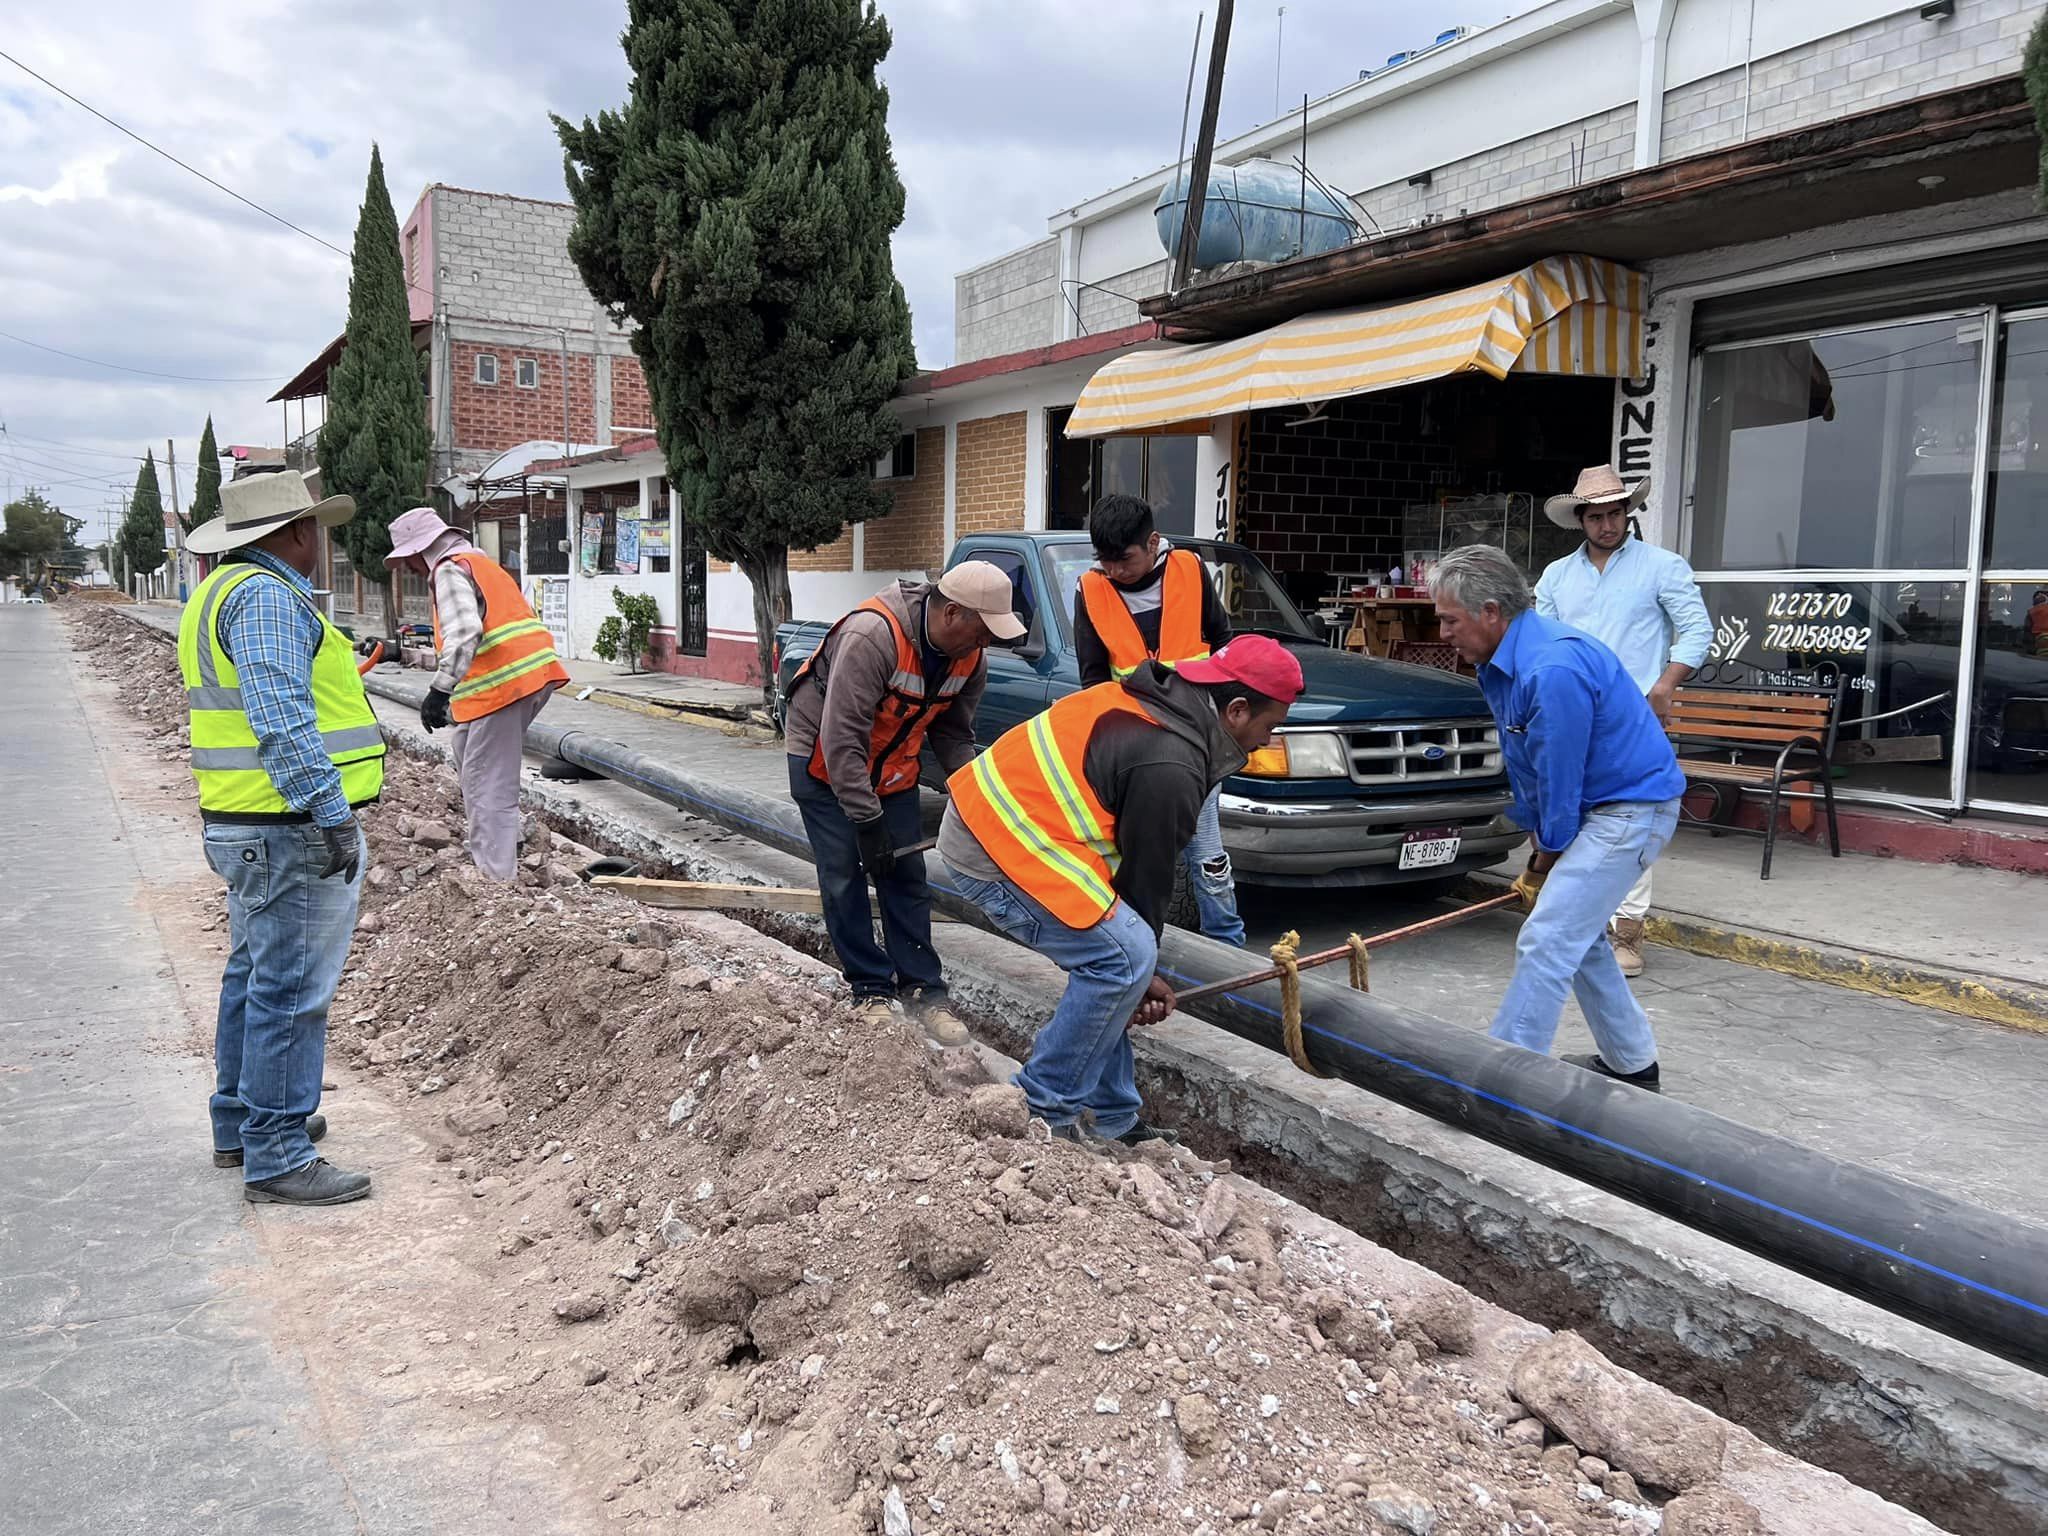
1383, 773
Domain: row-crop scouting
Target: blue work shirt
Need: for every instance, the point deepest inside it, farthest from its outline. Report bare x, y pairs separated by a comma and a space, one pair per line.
1575, 730
1645, 607
270, 631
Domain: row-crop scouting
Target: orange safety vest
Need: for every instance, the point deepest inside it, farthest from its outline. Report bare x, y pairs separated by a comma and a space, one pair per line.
515, 658
904, 714
1180, 616
1028, 803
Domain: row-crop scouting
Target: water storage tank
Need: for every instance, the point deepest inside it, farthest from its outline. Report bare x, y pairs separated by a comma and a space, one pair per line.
1254, 212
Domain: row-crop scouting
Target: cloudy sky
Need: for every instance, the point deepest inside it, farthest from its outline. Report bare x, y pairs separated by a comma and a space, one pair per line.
1002, 111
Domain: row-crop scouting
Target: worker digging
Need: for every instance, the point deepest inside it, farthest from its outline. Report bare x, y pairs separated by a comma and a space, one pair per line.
902, 671
1147, 601
1066, 834
494, 669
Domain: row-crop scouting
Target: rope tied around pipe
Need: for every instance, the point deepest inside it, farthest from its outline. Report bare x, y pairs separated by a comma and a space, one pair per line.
1287, 960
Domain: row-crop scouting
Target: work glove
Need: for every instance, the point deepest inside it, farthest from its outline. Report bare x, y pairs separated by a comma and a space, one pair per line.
344, 851
877, 848
1527, 885
434, 710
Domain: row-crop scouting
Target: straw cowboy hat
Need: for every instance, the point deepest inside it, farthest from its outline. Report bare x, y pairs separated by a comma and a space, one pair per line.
415, 532
1599, 486
261, 504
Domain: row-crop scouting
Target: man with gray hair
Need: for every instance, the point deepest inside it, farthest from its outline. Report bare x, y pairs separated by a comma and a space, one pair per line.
1596, 783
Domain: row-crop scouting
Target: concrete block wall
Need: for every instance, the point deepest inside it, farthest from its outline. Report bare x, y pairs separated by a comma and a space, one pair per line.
988, 475
1007, 305
1102, 311
1886, 61
507, 259
913, 535
1582, 151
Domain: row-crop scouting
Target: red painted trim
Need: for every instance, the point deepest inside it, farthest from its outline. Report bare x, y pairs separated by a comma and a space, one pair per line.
1031, 357
726, 661
632, 448
2014, 846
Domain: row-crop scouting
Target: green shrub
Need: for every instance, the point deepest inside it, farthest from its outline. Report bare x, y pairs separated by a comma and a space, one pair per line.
627, 633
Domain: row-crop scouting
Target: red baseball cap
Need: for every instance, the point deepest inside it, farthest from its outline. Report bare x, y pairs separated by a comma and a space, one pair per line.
1253, 660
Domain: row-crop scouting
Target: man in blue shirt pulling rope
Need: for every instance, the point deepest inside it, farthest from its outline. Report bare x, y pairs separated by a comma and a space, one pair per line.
1596, 783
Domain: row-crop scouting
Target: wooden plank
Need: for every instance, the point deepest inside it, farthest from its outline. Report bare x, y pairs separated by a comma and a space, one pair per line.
1709, 730
1727, 773
1890, 749
1745, 713
714, 896
1804, 703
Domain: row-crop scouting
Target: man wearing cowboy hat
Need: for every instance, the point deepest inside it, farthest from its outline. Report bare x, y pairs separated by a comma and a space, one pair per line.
285, 748
1643, 604
497, 667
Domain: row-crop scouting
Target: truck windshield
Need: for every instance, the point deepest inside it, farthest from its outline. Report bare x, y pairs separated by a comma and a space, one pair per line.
1254, 599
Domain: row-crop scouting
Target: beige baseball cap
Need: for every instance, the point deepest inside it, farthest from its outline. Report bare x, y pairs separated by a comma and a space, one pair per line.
981, 586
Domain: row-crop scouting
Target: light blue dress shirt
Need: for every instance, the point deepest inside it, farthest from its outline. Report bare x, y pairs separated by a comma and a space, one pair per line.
270, 631
1645, 607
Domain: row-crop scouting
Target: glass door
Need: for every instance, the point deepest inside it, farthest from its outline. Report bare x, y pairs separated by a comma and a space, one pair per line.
2008, 746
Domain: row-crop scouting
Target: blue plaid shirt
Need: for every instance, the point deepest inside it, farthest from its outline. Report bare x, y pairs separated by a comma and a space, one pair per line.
271, 635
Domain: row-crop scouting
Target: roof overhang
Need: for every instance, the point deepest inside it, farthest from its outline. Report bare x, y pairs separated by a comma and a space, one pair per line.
1970, 142
311, 380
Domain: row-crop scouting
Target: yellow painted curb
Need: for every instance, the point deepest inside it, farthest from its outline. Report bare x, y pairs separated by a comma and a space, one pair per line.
740, 728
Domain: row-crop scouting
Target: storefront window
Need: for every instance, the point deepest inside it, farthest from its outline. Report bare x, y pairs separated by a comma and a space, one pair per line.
2009, 725
1848, 451
1159, 470
2016, 531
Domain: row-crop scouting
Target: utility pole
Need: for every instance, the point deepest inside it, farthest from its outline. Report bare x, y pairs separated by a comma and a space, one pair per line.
177, 551
1205, 149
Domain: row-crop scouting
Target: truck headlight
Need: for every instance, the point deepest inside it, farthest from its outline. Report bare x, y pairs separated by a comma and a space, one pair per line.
1301, 755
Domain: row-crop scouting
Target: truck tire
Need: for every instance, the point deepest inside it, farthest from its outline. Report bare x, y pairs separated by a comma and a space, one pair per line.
1182, 911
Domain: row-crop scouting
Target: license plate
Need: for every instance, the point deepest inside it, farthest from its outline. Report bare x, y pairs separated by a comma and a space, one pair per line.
1429, 847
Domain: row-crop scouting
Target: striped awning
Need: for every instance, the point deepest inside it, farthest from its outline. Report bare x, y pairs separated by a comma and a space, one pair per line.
1566, 314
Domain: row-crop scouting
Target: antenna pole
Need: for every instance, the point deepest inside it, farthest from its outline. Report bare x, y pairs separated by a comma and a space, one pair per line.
1205, 149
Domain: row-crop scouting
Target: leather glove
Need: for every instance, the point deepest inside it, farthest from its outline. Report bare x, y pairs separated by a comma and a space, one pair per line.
877, 848
1527, 885
434, 710
344, 851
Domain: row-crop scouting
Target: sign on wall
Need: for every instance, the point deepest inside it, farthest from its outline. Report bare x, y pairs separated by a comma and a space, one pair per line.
590, 544
654, 538
626, 547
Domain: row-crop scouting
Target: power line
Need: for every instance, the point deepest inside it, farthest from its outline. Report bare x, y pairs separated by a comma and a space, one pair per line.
148, 373
57, 447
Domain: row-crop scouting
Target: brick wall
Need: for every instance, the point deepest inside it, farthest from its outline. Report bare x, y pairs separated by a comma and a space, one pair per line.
913, 536
489, 418
1105, 311
1886, 61
988, 475
836, 556
1007, 305
1593, 147
631, 406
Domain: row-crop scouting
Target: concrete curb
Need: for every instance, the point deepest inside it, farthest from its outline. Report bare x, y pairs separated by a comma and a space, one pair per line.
1970, 995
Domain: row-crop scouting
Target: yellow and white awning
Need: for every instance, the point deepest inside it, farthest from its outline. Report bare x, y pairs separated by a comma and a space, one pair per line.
1566, 314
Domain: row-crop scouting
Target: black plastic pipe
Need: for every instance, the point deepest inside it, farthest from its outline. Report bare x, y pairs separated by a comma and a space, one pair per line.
1955, 1266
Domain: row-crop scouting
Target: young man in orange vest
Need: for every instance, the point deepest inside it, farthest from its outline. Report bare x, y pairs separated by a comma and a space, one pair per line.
1148, 601
903, 669
497, 668
1066, 833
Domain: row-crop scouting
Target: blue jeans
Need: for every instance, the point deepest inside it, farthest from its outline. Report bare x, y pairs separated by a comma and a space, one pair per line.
1081, 1062
1209, 875
289, 932
1563, 943
909, 961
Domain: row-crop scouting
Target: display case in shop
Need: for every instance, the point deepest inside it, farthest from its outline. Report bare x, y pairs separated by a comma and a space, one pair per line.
1507, 520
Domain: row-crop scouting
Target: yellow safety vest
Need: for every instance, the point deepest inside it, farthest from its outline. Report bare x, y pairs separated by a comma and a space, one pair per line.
231, 777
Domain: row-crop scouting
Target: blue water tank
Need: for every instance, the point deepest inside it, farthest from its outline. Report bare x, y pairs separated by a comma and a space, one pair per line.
1393, 59
1255, 212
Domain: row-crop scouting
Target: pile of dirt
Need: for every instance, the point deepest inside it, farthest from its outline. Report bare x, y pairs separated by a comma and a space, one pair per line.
142, 664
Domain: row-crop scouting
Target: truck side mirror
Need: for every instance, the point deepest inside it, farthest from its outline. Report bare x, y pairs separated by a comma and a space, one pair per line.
1032, 646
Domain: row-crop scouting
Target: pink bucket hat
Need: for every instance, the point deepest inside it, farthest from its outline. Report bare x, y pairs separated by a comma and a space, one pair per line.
414, 533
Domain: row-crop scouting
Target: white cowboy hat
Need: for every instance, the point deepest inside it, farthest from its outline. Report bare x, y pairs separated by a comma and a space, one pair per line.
1597, 487
261, 504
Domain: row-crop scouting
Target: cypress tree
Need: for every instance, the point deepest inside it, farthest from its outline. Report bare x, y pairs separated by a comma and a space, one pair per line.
739, 208
206, 502
142, 530
2034, 71
374, 445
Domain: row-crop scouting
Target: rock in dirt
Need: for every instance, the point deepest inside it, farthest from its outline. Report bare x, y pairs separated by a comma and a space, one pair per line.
895, 1516
1200, 1425
997, 1109
1401, 1508
1445, 1318
590, 1372
469, 1119
943, 1254
1154, 1195
1712, 1512
707, 1296
1651, 1434
579, 1307
642, 962
433, 834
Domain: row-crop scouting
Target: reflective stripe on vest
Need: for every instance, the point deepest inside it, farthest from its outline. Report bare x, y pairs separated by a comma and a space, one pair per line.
904, 714
1181, 594
226, 761
515, 657
1028, 803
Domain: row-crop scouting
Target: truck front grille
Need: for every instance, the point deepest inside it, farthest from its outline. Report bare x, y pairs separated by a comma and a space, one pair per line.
1424, 751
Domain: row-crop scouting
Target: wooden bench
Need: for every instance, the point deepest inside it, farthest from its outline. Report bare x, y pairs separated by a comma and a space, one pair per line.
1799, 723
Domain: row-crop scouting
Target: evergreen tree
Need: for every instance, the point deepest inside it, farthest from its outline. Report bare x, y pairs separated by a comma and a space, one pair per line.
32, 530
206, 502
374, 445
2034, 71
142, 530
739, 208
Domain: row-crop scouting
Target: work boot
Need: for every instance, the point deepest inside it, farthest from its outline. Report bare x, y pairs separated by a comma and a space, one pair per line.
318, 1183
942, 1026
1144, 1131
1626, 935
316, 1127
874, 1010
1647, 1078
